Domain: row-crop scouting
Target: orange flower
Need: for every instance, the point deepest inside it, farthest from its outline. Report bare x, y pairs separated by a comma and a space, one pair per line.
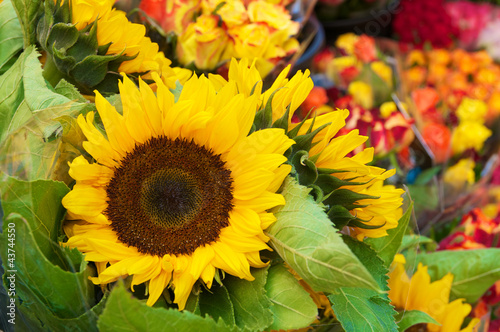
438, 138
425, 98
364, 49
316, 98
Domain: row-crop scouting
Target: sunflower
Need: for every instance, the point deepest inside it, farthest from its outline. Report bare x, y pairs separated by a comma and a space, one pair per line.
419, 293
178, 189
338, 152
90, 36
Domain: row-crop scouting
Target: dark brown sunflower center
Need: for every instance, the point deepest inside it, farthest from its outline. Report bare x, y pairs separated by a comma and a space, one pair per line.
169, 197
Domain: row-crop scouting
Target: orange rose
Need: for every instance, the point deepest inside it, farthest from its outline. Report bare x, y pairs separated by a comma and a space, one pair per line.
364, 49
438, 138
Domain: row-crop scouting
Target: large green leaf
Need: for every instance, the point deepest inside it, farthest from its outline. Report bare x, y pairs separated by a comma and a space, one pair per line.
250, 302
39, 283
305, 238
42, 135
409, 318
387, 247
216, 303
123, 312
474, 271
11, 35
28, 12
374, 305
13, 113
370, 260
293, 307
39, 202
360, 309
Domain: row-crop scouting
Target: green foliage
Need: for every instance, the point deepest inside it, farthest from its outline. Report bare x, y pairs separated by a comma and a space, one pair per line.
28, 12
388, 246
34, 115
75, 54
292, 307
39, 203
305, 238
123, 312
407, 319
372, 304
474, 271
251, 305
362, 310
217, 304
51, 291
11, 35
13, 111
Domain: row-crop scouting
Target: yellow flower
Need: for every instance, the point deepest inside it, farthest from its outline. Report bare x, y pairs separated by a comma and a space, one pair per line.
346, 42
275, 16
362, 93
334, 153
387, 108
233, 12
123, 36
288, 93
415, 57
439, 56
460, 173
433, 298
469, 135
472, 110
203, 43
177, 189
383, 71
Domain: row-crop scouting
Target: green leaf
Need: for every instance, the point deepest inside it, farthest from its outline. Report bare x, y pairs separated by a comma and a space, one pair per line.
38, 281
293, 307
69, 91
427, 175
37, 94
39, 202
305, 238
12, 113
370, 260
216, 303
251, 305
388, 246
11, 35
424, 197
360, 309
474, 271
407, 319
375, 304
123, 312
413, 240
28, 12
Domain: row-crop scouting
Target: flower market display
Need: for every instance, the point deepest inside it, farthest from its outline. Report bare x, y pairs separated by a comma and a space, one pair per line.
191, 165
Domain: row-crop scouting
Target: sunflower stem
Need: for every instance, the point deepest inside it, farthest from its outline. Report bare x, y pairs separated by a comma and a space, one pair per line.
50, 72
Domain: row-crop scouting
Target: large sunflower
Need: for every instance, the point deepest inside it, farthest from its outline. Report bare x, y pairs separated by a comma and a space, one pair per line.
177, 188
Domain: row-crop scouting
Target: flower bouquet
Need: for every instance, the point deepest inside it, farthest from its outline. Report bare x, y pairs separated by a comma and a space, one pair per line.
453, 98
358, 77
205, 35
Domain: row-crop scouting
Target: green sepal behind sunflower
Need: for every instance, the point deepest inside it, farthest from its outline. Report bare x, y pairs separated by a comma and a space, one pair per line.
75, 54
